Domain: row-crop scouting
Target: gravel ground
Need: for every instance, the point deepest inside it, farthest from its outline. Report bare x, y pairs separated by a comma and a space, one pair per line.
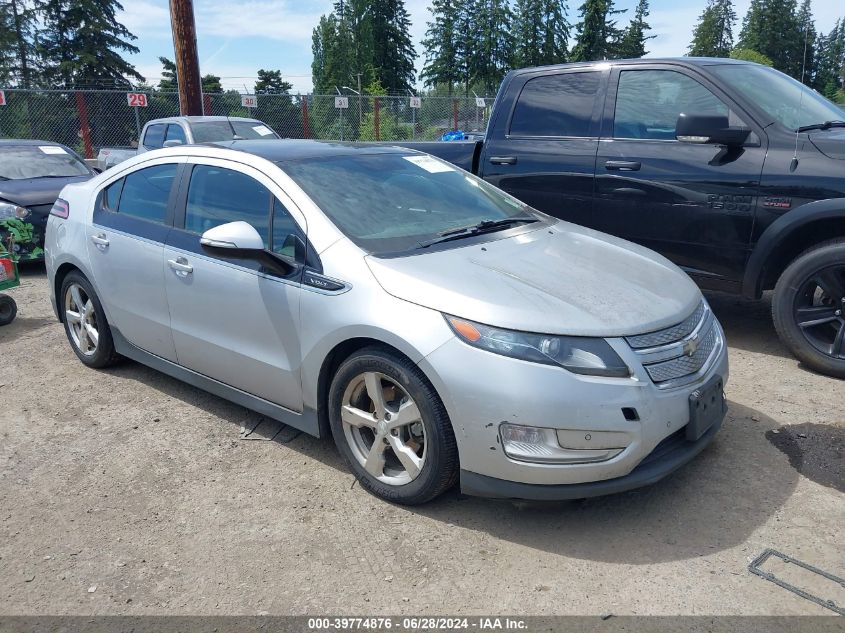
126, 492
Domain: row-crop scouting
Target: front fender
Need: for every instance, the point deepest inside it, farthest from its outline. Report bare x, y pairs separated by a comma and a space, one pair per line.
779, 232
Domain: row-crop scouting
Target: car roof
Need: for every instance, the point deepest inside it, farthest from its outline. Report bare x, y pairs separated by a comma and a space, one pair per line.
26, 141
283, 150
201, 119
684, 61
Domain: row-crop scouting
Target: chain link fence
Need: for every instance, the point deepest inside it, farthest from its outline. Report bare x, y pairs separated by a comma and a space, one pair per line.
87, 120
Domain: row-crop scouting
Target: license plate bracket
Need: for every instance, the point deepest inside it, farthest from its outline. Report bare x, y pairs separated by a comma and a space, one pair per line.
707, 406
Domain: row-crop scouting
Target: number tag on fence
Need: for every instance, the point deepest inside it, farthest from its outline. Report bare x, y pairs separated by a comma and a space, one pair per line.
249, 101
341, 102
480, 103
416, 102
136, 99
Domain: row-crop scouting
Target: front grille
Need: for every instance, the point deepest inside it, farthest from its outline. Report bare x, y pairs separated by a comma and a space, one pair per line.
670, 334
684, 365
675, 355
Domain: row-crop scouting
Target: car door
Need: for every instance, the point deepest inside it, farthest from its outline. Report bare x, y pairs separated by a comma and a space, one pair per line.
131, 220
547, 151
233, 320
694, 203
175, 134
154, 136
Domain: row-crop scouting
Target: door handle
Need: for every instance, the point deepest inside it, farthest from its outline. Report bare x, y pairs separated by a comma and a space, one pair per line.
503, 160
100, 241
181, 266
622, 165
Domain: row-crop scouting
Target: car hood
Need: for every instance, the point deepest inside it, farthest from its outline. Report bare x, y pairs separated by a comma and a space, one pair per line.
559, 279
830, 142
35, 191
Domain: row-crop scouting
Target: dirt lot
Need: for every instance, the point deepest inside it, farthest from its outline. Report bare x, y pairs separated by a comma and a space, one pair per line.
127, 492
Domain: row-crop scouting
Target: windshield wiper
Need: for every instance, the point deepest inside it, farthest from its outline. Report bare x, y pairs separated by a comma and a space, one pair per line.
821, 126
485, 226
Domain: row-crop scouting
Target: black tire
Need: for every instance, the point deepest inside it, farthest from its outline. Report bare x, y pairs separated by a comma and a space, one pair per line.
439, 471
820, 347
8, 309
105, 354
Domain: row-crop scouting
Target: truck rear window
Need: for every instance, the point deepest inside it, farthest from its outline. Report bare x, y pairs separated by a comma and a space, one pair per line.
556, 105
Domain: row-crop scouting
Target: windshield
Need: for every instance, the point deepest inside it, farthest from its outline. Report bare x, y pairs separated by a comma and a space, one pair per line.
779, 95
19, 162
394, 203
214, 131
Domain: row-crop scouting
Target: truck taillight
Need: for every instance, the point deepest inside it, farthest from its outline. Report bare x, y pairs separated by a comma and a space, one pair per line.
61, 209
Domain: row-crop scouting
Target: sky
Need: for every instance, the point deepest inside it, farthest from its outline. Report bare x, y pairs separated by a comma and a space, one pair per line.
236, 38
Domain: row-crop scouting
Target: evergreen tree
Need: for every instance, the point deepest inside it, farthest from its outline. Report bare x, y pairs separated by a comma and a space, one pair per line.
771, 28
713, 35
806, 44
81, 43
541, 32
632, 42
17, 50
442, 44
271, 82
494, 43
829, 77
332, 64
597, 35
168, 76
393, 52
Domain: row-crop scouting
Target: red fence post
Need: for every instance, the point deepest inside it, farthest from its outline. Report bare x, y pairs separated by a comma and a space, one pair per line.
377, 117
84, 128
206, 104
455, 112
306, 131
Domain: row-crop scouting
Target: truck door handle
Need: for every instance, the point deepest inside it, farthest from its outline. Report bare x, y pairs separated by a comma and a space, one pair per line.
503, 160
622, 165
181, 266
100, 241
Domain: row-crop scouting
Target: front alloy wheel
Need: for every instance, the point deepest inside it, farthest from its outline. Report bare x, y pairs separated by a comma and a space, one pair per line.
808, 308
81, 319
391, 427
384, 429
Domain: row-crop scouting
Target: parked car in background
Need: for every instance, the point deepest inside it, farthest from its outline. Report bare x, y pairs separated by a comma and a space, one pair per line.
186, 130
32, 173
434, 325
732, 170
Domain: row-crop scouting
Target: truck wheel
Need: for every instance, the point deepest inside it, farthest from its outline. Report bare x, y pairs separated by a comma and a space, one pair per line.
809, 308
392, 428
8, 309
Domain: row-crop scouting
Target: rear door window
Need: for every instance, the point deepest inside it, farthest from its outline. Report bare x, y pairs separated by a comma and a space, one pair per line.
556, 105
217, 195
146, 192
154, 137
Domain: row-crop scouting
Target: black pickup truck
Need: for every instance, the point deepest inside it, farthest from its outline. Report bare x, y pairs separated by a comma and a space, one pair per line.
732, 170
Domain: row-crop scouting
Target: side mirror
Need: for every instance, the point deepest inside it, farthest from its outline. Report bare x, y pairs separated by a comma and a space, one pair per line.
236, 238
707, 128
172, 143
239, 240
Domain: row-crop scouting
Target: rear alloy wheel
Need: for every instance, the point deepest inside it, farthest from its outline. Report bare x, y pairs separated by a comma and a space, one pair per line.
392, 428
809, 308
85, 323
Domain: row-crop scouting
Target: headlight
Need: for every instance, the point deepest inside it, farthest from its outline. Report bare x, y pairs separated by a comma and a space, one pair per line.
579, 354
12, 211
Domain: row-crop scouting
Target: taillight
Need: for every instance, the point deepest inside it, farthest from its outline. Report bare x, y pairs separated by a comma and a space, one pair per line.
61, 209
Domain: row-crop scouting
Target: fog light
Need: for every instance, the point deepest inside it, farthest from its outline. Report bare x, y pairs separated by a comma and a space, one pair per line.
541, 446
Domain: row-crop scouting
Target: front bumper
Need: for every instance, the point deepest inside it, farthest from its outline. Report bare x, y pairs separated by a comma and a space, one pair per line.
483, 390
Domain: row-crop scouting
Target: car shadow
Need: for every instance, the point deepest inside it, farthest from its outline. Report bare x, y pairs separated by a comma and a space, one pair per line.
713, 503
24, 325
748, 323
817, 451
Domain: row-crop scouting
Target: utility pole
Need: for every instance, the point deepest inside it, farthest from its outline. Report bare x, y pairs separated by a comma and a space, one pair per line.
360, 98
185, 52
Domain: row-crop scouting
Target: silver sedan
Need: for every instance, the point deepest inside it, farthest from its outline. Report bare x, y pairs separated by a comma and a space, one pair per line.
436, 327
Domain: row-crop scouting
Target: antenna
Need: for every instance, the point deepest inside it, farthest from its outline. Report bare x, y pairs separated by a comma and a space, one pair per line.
793, 164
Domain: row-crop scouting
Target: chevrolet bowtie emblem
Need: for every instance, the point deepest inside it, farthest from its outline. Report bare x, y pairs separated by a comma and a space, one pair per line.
691, 346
